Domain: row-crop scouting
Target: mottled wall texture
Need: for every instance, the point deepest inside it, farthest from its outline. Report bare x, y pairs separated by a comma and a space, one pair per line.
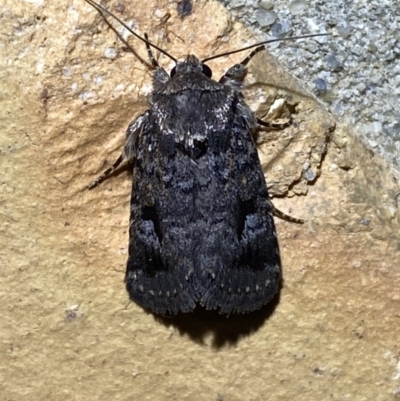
68, 330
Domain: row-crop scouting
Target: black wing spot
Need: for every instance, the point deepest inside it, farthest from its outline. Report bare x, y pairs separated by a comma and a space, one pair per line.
198, 150
245, 209
149, 213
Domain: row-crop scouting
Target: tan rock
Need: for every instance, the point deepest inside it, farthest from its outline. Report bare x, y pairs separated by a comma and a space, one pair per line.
68, 330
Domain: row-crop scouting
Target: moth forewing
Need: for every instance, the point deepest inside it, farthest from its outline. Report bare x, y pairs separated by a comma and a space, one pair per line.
201, 225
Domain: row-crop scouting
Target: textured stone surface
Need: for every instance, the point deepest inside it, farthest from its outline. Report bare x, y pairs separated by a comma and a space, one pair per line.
68, 331
357, 64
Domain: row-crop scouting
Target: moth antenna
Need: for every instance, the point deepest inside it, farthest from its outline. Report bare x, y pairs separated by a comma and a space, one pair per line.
103, 11
260, 46
153, 61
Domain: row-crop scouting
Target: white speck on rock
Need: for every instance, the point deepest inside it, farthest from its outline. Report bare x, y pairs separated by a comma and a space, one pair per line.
110, 53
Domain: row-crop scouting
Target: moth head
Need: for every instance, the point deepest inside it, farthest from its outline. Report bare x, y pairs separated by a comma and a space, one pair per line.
191, 64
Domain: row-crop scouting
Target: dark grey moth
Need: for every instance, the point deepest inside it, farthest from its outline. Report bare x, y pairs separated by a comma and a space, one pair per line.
201, 226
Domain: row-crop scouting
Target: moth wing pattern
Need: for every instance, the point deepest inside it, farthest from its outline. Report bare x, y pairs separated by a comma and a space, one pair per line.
201, 226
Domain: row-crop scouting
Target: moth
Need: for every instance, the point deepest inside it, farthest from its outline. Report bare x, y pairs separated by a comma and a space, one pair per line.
201, 225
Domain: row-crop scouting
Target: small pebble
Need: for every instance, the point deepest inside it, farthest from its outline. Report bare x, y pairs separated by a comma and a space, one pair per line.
297, 7
309, 175
265, 18
266, 5
281, 28
332, 62
320, 86
343, 29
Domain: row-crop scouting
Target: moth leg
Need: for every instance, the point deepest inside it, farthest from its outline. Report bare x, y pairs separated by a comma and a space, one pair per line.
133, 132
272, 126
284, 216
252, 54
235, 76
106, 173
